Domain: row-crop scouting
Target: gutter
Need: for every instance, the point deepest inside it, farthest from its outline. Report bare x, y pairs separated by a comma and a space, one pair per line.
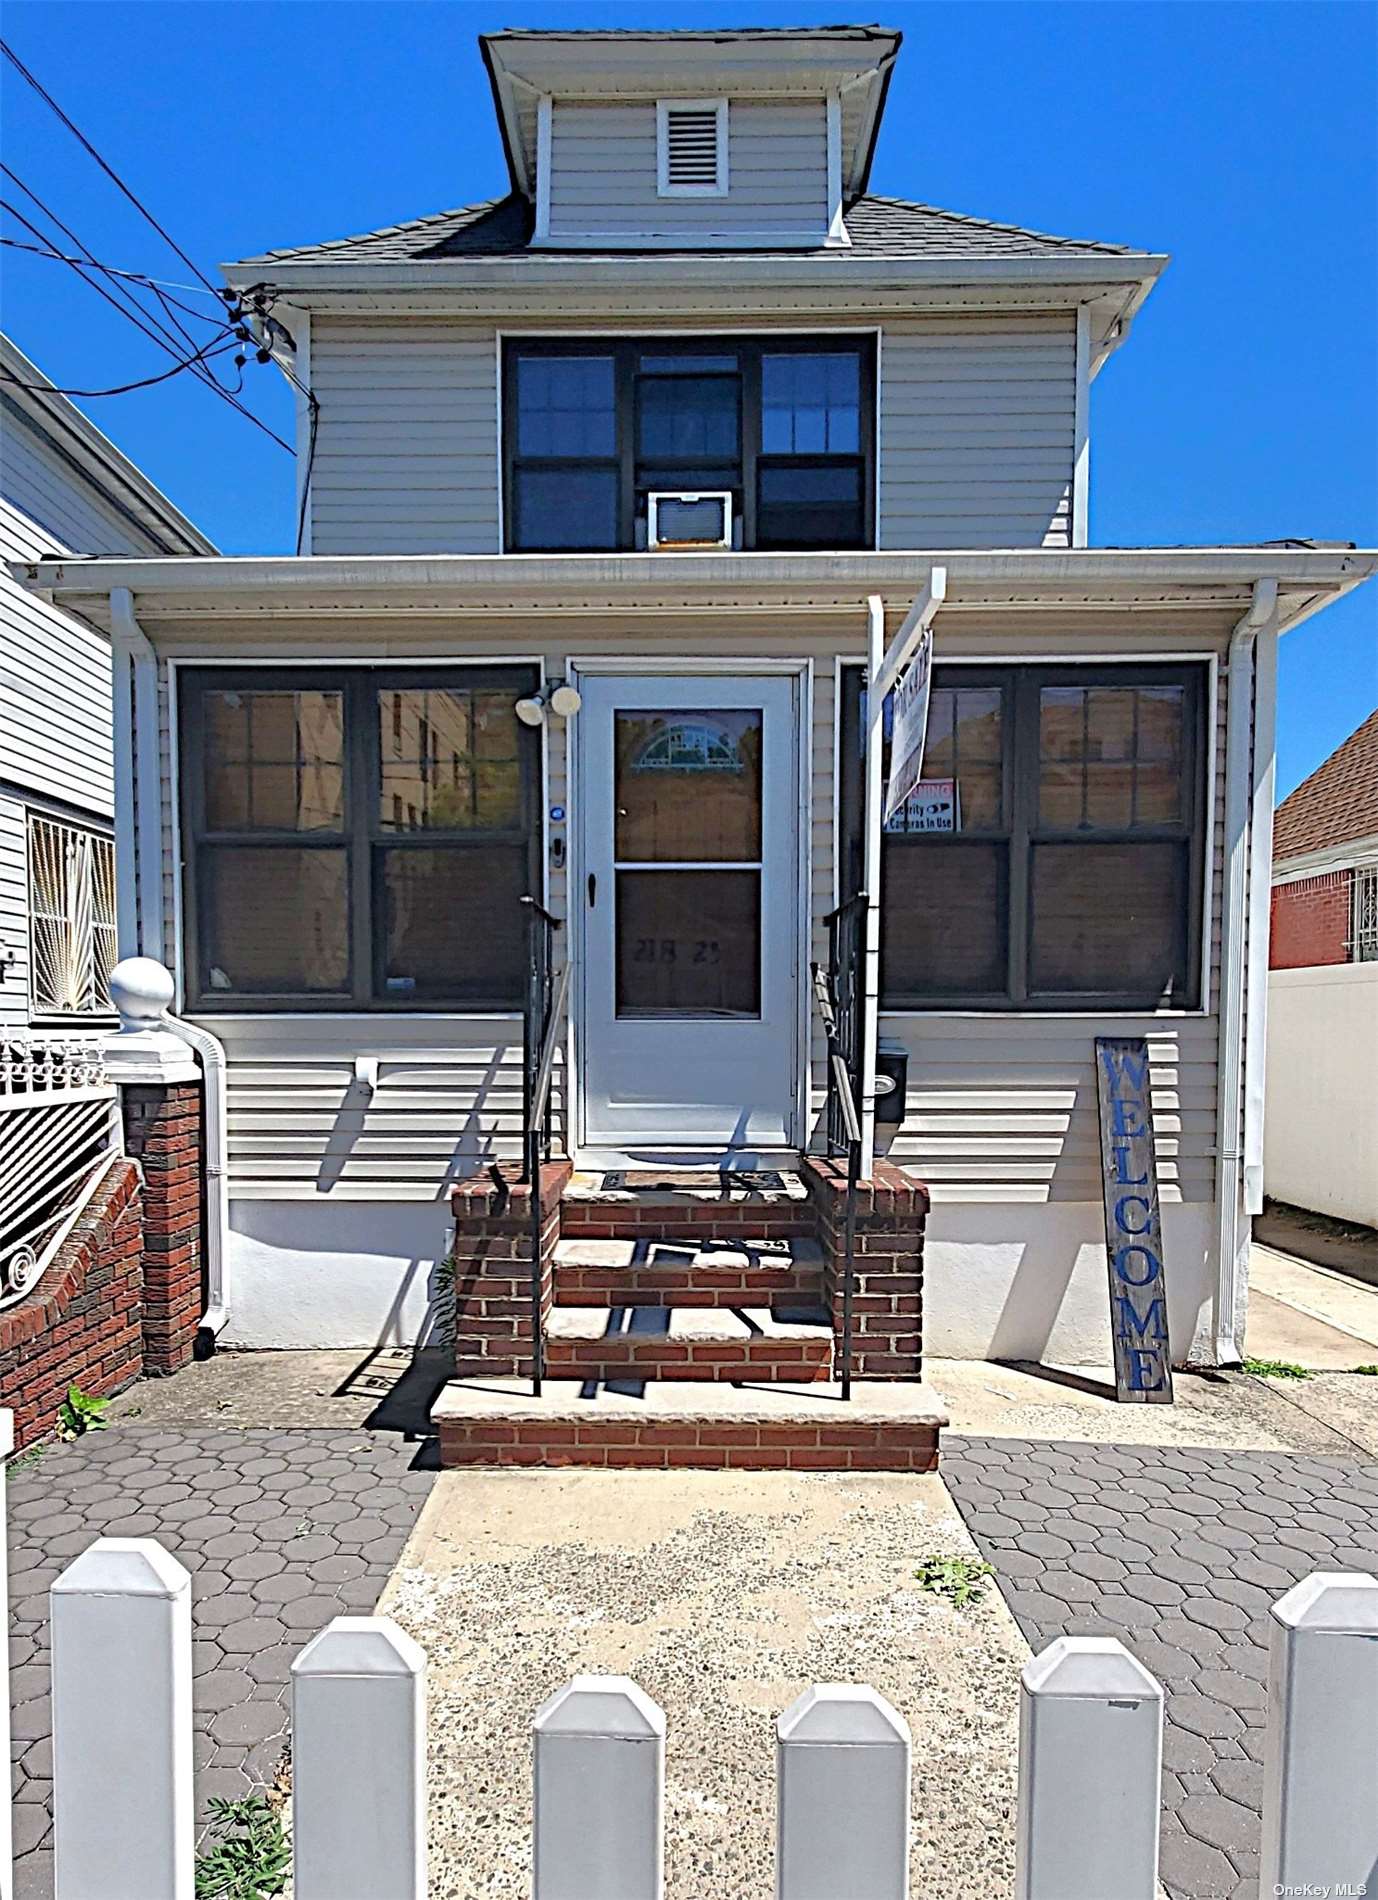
211, 1054
1241, 796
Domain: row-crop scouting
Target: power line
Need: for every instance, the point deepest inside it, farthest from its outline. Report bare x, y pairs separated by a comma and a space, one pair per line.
123, 389
109, 170
111, 270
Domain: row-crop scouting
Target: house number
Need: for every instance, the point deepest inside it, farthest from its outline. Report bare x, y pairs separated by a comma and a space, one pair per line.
667, 950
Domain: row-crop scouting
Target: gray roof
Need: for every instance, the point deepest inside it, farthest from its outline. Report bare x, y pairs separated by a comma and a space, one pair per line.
878, 227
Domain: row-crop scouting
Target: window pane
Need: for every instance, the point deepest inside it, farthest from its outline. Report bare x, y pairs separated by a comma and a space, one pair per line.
943, 920
692, 416
1110, 919
274, 761
687, 786
276, 920
691, 364
688, 943
453, 923
1111, 757
811, 403
566, 508
565, 406
810, 507
449, 760
963, 744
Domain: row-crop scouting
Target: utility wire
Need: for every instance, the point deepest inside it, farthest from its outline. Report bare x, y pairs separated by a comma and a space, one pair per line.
110, 270
123, 389
109, 170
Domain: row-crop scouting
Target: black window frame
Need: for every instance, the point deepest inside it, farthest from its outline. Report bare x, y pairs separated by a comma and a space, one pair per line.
363, 837
1021, 830
625, 352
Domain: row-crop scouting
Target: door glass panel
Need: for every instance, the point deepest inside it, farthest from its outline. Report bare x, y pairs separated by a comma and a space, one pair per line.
687, 786
688, 943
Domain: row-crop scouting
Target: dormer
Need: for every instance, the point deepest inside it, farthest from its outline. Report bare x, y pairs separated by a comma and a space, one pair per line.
744, 140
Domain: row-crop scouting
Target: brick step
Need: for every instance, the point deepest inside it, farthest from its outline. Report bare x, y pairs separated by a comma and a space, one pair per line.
784, 1342
674, 1424
682, 1271
645, 1205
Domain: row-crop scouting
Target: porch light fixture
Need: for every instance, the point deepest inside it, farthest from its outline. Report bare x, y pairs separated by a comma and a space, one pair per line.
564, 701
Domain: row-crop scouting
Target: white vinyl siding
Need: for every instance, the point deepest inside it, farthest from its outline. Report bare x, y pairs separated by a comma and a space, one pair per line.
407, 447
60, 502
603, 176
977, 432
14, 916
54, 704
1000, 1110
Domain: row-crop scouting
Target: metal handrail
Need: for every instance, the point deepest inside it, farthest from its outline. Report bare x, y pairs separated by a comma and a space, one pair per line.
545, 1003
838, 995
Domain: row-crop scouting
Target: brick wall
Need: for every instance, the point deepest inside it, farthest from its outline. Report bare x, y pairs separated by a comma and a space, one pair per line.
162, 1131
492, 1268
1310, 922
887, 1280
83, 1323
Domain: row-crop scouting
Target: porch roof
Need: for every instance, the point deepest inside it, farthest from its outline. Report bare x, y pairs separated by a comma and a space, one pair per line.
1060, 581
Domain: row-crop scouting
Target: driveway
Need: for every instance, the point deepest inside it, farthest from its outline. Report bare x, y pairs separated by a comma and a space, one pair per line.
281, 1530
1179, 1551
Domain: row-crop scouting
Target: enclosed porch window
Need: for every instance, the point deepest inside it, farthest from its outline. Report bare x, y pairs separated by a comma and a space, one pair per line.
1054, 857
359, 838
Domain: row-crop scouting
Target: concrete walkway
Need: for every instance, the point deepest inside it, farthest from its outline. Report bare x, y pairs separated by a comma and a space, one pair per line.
723, 1594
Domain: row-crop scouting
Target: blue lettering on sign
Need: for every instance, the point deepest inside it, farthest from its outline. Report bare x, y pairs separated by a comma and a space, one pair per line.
1122, 1219
1138, 1302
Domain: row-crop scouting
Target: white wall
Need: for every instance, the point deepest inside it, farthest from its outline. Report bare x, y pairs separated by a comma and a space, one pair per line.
1029, 1281
1321, 1127
333, 1273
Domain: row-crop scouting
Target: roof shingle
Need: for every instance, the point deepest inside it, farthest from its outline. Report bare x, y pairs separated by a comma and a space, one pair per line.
878, 227
1339, 801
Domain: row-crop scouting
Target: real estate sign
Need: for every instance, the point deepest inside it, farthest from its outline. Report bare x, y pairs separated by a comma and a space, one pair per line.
910, 727
1133, 1229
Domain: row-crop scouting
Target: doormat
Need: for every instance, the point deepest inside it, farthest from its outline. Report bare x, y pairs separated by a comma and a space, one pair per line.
723, 1181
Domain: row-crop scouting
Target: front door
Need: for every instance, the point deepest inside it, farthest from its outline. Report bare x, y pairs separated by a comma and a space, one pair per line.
688, 797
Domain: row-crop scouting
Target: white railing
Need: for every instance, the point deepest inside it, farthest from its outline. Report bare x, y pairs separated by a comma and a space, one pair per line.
1090, 1760
59, 1130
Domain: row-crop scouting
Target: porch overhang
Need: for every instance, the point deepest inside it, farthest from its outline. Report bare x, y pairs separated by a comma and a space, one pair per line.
1056, 583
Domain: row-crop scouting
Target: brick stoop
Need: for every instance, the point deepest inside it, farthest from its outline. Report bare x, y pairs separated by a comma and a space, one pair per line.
675, 1425
789, 1344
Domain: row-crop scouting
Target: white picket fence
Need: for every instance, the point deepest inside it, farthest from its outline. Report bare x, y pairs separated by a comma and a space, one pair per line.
1090, 1760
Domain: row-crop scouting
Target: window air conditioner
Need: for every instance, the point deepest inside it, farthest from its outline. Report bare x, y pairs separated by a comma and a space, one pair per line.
689, 521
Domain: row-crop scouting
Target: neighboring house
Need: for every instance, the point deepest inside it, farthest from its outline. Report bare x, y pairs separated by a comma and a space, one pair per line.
659, 424
1322, 1127
64, 489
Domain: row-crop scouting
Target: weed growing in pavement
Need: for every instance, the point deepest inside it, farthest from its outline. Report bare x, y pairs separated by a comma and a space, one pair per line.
1369, 1372
1276, 1369
961, 1580
80, 1412
251, 1857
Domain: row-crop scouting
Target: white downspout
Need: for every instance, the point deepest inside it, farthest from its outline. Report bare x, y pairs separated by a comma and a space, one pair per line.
1227, 1306
1260, 907
137, 780
211, 1053
870, 880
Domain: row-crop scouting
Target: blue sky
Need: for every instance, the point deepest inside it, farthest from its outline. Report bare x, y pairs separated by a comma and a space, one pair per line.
1238, 137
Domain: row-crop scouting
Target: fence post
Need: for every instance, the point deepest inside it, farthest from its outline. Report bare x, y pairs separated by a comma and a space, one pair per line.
599, 1747
842, 1797
123, 1813
1320, 1784
359, 1763
6, 1831
1090, 1773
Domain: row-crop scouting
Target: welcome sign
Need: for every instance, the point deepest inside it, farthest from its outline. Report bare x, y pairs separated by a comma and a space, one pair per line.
1133, 1229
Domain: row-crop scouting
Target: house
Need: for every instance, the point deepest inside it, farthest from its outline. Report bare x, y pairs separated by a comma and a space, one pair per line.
1321, 1151
610, 489
64, 489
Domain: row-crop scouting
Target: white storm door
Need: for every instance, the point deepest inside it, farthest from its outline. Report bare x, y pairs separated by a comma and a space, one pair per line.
689, 863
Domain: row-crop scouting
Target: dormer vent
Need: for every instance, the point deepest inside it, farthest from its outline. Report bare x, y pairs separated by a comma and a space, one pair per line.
691, 148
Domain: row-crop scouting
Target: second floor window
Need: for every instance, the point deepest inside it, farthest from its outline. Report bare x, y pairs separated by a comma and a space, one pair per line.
595, 428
